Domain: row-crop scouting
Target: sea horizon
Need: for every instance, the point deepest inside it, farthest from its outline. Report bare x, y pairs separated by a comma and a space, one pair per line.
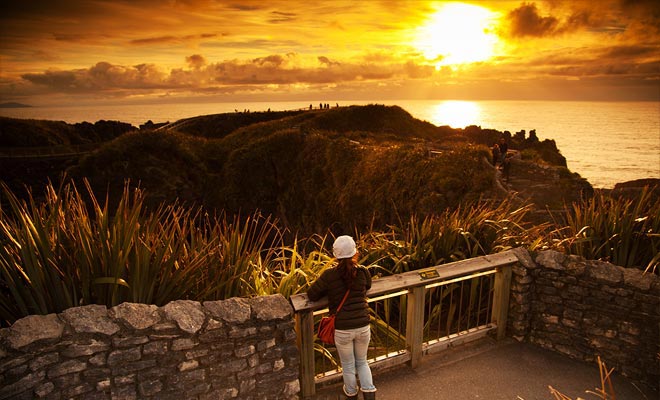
605, 142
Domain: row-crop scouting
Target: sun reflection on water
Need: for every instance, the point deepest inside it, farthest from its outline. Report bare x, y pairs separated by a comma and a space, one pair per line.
455, 113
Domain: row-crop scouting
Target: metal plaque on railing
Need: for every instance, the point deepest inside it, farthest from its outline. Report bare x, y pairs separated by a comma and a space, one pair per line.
428, 274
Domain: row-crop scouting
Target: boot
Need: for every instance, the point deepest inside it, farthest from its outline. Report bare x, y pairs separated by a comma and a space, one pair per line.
369, 395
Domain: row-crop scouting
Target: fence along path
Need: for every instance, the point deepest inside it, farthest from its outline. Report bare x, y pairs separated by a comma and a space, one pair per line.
414, 285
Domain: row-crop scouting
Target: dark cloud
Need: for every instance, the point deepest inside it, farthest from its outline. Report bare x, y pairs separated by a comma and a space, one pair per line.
103, 76
526, 21
632, 52
269, 70
274, 61
327, 62
172, 39
59, 80
196, 61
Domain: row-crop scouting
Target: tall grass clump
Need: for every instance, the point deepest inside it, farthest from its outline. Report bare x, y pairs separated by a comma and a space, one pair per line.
468, 231
623, 231
66, 252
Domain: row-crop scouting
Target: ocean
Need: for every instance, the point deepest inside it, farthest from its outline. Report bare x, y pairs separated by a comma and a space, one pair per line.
605, 142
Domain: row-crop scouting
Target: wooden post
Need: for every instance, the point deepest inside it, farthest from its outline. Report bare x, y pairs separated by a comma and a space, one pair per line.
501, 299
415, 324
305, 340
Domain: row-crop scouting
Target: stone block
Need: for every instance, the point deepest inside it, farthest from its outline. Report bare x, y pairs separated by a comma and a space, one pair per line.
183, 344
188, 365
119, 357
244, 351
137, 316
28, 382
78, 390
635, 278
187, 314
123, 393
85, 348
198, 353
234, 311
135, 366
524, 258
236, 333
90, 319
606, 273
551, 259
212, 336
155, 348
576, 268
30, 329
291, 388
99, 359
44, 390
267, 308
124, 380
130, 341
150, 387
44, 361
67, 367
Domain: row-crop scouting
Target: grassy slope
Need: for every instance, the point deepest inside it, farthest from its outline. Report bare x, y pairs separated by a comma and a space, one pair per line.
312, 169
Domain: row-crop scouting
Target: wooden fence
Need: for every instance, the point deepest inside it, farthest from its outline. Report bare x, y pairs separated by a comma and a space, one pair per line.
413, 288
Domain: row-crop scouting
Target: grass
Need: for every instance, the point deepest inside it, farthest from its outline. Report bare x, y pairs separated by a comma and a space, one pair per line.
73, 249
623, 231
606, 390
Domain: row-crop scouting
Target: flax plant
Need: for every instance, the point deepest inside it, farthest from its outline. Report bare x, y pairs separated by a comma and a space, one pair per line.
466, 232
292, 271
623, 231
66, 252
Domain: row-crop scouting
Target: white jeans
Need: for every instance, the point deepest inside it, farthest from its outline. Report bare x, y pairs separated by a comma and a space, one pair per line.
352, 346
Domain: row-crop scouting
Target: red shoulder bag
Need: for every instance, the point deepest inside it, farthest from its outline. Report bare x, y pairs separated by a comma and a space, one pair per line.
326, 332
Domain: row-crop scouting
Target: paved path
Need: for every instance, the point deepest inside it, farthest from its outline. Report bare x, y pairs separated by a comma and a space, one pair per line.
487, 370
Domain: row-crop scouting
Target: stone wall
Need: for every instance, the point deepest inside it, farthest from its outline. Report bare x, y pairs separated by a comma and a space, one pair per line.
584, 309
237, 348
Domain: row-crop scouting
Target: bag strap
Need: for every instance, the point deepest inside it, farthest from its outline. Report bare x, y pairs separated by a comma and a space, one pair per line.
342, 301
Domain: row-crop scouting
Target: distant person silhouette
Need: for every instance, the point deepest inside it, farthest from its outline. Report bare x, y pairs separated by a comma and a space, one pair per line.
495, 151
504, 147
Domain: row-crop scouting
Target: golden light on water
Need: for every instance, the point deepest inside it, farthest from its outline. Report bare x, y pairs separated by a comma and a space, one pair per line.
458, 33
457, 114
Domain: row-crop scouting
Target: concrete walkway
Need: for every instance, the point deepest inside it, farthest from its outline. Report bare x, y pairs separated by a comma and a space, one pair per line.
489, 370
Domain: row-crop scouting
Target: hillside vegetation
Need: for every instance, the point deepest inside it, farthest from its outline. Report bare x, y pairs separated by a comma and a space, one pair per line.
335, 169
250, 206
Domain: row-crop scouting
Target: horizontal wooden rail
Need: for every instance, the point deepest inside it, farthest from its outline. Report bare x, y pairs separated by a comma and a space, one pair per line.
413, 279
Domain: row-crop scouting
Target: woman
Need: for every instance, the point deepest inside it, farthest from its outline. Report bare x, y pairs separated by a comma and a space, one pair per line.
352, 331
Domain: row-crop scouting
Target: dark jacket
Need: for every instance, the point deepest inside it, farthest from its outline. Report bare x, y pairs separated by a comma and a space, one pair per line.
355, 311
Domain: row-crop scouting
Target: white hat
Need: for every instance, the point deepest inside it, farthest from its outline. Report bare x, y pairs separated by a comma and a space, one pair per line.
344, 247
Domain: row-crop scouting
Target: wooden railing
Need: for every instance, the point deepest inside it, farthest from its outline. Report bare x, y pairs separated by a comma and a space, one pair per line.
414, 286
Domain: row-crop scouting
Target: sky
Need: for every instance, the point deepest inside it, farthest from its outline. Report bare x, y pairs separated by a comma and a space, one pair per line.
150, 51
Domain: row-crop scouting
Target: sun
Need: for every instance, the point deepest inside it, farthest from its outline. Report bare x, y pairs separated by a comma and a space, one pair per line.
458, 33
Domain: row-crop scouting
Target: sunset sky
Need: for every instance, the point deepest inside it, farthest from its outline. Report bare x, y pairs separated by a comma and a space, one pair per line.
66, 51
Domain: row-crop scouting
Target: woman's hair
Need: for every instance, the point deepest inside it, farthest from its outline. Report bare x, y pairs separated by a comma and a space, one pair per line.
347, 270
